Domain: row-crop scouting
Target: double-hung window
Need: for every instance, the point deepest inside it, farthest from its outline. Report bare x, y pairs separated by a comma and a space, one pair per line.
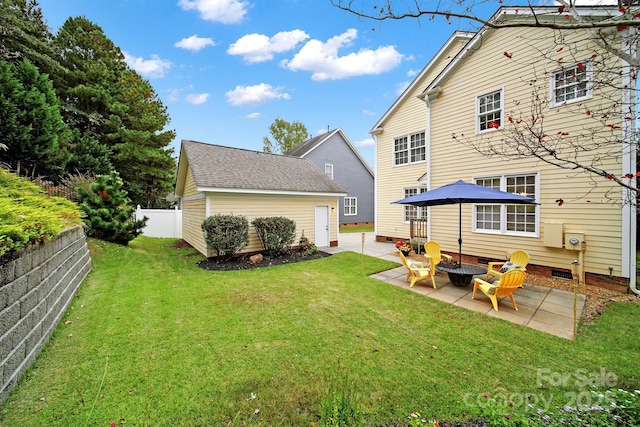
328, 170
509, 219
489, 111
409, 149
413, 212
350, 206
571, 83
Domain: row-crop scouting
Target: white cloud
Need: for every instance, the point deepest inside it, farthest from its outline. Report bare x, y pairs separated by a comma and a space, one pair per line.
368, 113
323, 61
412, 73
255, 115
173, 95
223, 11
255, 95
197, 98
401, 87
259, 48
368, 142
321, 131
195, 43
154, 67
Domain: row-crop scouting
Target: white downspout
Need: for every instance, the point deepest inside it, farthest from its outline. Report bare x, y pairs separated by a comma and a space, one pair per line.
629, 222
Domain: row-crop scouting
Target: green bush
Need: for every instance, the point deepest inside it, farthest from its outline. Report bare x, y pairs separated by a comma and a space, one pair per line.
109, 214
226, 235
27, 215
307, 247
275, 233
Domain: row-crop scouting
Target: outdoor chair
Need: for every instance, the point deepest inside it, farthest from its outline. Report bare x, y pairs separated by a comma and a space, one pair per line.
518, 261
417, 271
432, 250
505, 287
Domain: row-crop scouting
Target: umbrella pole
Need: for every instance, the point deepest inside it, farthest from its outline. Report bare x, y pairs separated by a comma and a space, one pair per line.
459, 233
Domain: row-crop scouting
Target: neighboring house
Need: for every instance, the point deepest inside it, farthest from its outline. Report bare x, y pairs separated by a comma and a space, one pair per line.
213, 179
471, 88
337, 157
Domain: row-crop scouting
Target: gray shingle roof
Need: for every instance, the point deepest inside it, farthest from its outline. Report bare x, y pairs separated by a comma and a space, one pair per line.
307, 145
216, 166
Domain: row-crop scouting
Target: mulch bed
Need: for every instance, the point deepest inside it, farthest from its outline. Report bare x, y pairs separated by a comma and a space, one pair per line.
244, 263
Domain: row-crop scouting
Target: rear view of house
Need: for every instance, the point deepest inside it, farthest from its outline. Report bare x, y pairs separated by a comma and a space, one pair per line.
479, 111
214, 179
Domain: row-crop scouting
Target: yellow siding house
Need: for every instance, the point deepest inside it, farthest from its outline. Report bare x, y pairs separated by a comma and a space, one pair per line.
471, 97
214, 179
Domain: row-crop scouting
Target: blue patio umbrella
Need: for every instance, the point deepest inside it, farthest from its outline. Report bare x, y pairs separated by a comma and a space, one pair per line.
460, 192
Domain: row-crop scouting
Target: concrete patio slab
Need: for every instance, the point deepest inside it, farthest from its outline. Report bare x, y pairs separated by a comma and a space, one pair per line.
543, 309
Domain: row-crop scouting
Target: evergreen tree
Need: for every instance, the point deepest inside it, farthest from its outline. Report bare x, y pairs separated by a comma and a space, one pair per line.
112, 104
109, 214
32, 123
88, 156
25, 35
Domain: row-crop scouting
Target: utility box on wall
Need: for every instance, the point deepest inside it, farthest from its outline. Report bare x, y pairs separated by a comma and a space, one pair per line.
573, 240
553, 234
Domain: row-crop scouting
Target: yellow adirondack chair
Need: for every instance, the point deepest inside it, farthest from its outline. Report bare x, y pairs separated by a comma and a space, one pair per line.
417, 271
519, 259
505, 287
432, 249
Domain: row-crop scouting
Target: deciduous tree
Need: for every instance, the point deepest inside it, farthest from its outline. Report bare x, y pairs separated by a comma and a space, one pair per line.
285, 136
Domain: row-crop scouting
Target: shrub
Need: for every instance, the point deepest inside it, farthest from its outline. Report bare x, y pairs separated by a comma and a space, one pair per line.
27, 215
307, 247
226, 235
275, 233
108, 210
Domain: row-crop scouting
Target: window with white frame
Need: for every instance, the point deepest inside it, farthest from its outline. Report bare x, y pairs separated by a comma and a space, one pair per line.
350, 206
328, 170
413, 212
571, 83
489, 111
509, 219
409, 149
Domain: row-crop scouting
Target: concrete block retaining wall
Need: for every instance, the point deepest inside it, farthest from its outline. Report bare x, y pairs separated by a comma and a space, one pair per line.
35, 290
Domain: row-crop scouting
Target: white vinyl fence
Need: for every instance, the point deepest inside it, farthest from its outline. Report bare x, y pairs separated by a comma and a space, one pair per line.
162, 222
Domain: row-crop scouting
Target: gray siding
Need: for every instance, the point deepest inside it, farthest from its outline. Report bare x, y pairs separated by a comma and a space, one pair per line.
349, 173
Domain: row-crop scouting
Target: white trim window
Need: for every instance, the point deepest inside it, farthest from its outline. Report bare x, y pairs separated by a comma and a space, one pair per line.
350, 206
328, 170
489, 111
571, 83
409, 149
521, 220
412, 212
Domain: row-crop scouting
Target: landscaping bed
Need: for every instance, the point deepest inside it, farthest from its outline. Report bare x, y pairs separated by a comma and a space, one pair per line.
243, 262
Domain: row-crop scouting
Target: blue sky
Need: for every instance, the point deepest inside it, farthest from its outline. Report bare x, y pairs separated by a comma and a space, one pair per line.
226, 69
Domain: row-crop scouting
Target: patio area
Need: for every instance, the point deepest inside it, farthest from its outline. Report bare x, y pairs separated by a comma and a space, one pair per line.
544, 309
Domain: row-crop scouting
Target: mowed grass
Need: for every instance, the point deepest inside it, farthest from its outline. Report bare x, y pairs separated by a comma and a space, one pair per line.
153, 340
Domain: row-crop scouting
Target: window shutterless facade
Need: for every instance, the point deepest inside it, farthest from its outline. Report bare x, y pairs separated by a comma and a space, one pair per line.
350, 206
411, 212
571, 83
409, 149
489, 111
509, 219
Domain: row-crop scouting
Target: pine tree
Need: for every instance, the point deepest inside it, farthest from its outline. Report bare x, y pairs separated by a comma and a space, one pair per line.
109, 214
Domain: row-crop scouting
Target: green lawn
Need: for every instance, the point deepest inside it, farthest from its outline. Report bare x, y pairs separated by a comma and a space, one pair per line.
357, 229
151, 339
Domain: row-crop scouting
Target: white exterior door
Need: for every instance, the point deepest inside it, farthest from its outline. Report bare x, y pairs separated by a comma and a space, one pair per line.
322, 226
